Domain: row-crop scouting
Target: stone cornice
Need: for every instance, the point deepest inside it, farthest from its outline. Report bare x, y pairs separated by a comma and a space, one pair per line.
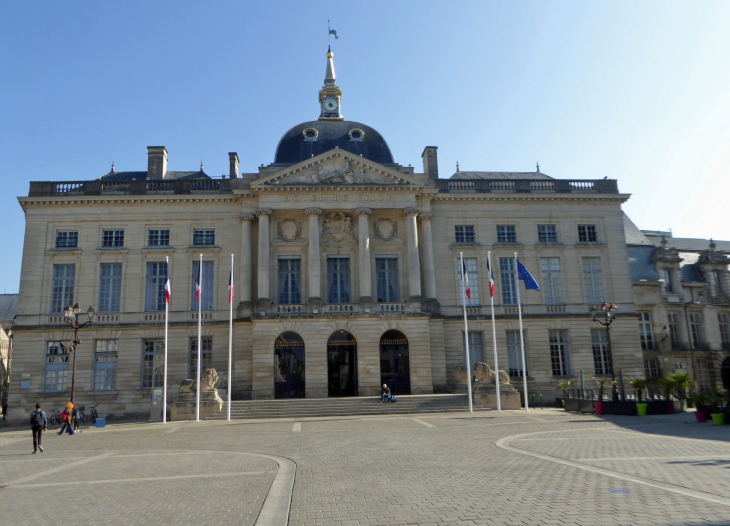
122, 200
618, 198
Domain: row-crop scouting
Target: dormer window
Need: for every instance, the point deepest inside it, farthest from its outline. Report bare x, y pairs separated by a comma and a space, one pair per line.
716, 283
356, 134
668, 282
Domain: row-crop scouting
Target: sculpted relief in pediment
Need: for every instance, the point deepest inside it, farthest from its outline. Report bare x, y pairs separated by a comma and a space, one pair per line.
337, 171
338, 228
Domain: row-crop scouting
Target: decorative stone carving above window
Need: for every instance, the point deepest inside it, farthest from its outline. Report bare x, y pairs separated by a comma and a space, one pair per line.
338, 228
665, 253
385, 229
289, 230
713, 257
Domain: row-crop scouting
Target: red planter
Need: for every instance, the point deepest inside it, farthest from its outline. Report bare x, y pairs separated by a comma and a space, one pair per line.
598, 406
701, 416
670, 408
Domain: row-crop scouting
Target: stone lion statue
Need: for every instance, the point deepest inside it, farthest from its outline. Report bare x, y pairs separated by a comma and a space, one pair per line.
187, 387
208, 379
484, 373
460, 374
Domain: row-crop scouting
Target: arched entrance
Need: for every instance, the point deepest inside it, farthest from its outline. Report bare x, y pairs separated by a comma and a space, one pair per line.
342, 364
289, 366
395, 365
725, 372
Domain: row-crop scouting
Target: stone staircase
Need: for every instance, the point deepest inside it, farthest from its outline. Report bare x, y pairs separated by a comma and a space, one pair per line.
355, 406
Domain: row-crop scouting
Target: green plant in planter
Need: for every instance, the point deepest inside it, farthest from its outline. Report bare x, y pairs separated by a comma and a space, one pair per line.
683, 384
718, 401
638, 385
669, 384
565, 386
601, 381
698, 399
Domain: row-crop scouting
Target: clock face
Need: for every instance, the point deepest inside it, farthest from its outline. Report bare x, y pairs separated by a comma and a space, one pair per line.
330, 105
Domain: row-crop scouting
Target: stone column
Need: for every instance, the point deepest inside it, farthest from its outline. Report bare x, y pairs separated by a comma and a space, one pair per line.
263, 296
366, 279
315, 263
428, 262
414, 262
244, 278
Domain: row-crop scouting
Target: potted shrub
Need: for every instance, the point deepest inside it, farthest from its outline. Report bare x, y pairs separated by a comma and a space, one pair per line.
566, 386
639, 386
699, 400
683, 383
602, 381
668, 383
718, 417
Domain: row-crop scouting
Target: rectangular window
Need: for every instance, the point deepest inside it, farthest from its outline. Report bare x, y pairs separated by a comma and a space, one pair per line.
651, 368
112, 238
465, 233
153, 363
476, 347
203, 237
206, 356
551, 283
290, 281
158, 238
506, 234
673, 319
110, 287
338, 280
593, 280
62, 288
724, 319
646, 333
559, 352
587, 234
105, 365
547, 234
716, 282
56, 371
703, 375
695, 327
601, 352
155, 290
508, 279
473, 275
207, 284
67, 239
386, 277
668, 282
514, 354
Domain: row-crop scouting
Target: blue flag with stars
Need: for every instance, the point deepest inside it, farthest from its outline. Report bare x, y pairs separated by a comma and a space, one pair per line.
525, 276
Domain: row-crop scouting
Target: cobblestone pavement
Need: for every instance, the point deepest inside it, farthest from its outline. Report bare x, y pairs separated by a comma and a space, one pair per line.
545, 467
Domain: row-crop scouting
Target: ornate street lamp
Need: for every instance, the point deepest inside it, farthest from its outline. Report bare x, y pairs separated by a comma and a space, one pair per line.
72, 318
607, 311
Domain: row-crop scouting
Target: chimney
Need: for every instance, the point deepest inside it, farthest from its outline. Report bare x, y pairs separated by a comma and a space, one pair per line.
233, 161
156, 162
430, 162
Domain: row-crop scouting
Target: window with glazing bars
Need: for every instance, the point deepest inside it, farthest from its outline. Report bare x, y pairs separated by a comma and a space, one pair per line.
155, 291
464, 233
386, 276
153, 355
601, 352
547, 234
673, 319
476, 347
206, 359
551, 283
703, 375
158, 237
587, 234
506, 234
508, 280
62, 288
473, 275
290, 281
110, 287
56, 367
514, 354
112, 238
207, 284
724, 319
668, 281
651, 368
695, 327
593, 280
559, 352
338, 280
67, 239
203, 236
105, 365
716, 282
646, 332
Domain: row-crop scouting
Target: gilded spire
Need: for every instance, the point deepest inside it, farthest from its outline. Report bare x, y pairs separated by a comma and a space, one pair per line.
330, 95
329, 76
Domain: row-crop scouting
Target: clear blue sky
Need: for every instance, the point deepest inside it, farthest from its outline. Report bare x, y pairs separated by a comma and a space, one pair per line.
637, 91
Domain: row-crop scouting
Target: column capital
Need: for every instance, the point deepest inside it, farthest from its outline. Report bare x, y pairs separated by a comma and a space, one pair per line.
411, 211
313, 211
426, 216
363, 211
264, 212
247, 217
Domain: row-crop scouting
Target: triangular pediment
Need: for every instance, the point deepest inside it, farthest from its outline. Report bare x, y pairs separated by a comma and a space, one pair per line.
337, 168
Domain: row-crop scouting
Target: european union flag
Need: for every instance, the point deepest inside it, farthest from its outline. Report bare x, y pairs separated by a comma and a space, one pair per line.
525, 276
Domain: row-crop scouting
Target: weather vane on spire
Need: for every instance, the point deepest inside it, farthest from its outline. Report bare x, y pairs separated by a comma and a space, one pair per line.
331, 32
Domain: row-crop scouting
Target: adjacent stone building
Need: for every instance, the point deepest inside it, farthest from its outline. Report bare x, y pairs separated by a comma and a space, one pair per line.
346, 271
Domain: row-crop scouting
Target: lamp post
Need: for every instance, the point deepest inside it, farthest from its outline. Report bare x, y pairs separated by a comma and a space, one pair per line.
608, 312
72, 318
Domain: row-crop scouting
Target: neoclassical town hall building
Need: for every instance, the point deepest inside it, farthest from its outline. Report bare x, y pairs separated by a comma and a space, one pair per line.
346, 274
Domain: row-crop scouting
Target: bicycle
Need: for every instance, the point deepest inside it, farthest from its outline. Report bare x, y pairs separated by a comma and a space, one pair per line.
94, 414
55, 417
80, 415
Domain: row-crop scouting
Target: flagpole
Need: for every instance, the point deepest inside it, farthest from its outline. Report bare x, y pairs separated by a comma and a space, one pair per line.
167, 315
522, 343
466, 331
200, 340
494, 337
230, 339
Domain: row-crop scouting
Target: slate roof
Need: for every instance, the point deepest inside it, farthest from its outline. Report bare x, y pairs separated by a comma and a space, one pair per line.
8, 306
141, 176
640, 264
500, 175
688, 244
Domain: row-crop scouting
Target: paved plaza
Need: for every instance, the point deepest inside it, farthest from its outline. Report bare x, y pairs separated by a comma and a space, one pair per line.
545, 467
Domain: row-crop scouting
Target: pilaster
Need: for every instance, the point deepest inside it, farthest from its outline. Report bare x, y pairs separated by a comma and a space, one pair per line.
366, 285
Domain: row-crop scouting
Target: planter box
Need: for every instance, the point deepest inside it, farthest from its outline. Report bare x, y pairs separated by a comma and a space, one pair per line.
572, 404
656, 408
619, 408
585, 406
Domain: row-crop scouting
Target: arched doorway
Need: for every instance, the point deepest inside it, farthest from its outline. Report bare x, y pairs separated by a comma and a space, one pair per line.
725, 372
395, 364
289, 366
342, 364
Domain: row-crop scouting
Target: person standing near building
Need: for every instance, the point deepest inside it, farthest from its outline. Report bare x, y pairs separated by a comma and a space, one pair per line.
38, 425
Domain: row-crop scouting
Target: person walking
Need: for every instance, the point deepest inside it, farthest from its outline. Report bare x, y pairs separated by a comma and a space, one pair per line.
38, 425
67, 418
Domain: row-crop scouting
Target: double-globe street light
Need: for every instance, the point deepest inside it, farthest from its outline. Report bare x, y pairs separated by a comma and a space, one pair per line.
72, 318
608, 312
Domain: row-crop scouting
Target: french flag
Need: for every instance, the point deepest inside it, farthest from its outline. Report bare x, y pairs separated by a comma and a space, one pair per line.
491, 278
466, 280
197, 282
167, 285
230, 287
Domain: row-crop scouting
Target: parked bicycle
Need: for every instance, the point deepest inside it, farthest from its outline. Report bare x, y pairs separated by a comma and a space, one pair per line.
94, 414
55, 417
80, 415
